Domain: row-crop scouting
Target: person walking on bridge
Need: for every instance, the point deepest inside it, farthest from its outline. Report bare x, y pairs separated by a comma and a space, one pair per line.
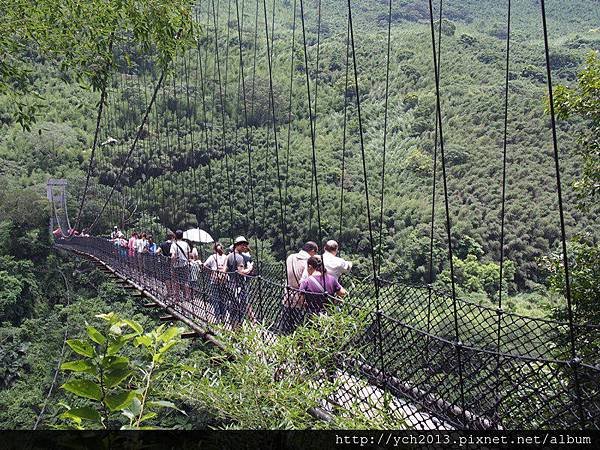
238, 268
320, 286
293, 300
334, 265
180, 256
164, 263
131, 244
216, 264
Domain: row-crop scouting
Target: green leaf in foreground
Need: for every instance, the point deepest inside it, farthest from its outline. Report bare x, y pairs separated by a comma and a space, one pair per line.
82, 413
115, 376
120, 400
79, 366
95, 335
81, 347
165, 404
83, 388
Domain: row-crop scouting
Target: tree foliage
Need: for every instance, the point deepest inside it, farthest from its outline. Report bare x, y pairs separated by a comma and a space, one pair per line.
583, 101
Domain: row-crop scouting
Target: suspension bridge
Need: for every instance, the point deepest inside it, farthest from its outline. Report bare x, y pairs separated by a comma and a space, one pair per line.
426, 356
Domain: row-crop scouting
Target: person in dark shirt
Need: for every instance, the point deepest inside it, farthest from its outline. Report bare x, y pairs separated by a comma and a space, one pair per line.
165, 247
163, 266
238, 268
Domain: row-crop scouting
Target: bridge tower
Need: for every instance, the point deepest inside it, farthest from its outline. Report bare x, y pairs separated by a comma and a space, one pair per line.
56, 190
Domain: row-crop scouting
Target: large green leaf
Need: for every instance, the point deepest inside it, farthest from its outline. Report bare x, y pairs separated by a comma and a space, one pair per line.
116, 362
164, 404
120, 400
95, 335
81, 347
169, 334
82, 413
167, 346
80, 366
145, 340
135, 326
115, 376
115, 346
83, 388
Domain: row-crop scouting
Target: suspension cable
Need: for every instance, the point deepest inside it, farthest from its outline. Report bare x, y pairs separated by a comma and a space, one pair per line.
96, 132
362, 147
246, 127
317, 73
273, 119
447, 206
312, 125
435, 151
342, 180
205, 120
289, 130
131, 149
385, 127
563, 233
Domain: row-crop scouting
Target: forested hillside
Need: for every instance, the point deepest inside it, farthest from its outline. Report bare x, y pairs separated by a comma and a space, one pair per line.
188, 169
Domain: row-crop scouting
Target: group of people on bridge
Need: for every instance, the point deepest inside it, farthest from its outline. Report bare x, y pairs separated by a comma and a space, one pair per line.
312, 280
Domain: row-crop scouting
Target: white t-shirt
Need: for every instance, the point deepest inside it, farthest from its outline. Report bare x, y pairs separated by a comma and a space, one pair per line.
216, 262
335, 265
181, 250
140, 245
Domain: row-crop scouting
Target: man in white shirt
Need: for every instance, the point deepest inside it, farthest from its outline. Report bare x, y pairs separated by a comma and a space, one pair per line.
140, 243
334, 265
293, 301
180, 255
217, 264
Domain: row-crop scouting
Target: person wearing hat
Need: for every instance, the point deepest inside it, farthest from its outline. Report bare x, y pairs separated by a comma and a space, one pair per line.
238, 267
116, 233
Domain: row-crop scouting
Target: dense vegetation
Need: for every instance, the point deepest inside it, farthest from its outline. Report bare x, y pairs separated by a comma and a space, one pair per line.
200, 174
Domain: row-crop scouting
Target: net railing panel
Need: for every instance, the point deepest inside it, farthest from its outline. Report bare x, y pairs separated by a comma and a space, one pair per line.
504, 372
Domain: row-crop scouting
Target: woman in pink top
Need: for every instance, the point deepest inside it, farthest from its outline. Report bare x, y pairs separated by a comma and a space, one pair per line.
131, 244
319, 286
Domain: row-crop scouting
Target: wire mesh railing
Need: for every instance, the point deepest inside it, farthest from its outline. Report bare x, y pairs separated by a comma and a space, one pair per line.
506, 372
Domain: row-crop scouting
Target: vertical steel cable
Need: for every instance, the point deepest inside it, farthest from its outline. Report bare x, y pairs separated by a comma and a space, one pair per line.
458, 344
317, 73
131, 150
289, 130
273, 120
237, 129
433, 185
192, 159
502, 213
366, 186
160, 159
205, 125
575, 361
246, 127
342, 180
385, 126
181, 195
151, 185
312, 128
145, 148
173, 197
222, 98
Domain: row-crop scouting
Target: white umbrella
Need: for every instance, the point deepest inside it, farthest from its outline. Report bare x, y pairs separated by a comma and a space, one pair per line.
197, 235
